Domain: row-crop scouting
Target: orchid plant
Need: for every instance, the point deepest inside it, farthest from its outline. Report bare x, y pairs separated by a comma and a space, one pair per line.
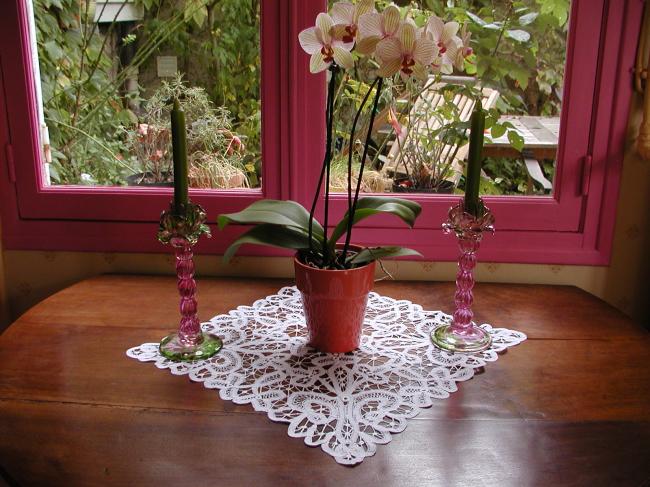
394, 45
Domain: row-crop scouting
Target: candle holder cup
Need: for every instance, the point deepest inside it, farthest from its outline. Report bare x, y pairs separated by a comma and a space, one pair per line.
463, 335
182, 229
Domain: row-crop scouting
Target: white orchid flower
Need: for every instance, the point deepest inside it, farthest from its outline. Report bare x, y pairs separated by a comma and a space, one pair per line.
324, 48
445, 39
407, 54
374, 27
346, 18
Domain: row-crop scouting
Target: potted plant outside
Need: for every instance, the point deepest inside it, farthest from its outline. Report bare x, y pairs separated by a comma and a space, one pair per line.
333, 275
149, 143
431, 142
215, 151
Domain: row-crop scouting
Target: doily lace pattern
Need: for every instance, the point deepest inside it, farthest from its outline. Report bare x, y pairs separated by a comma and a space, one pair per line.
347, 404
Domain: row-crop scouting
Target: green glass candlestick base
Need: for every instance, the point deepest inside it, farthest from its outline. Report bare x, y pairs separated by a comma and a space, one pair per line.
173, 348
474, 340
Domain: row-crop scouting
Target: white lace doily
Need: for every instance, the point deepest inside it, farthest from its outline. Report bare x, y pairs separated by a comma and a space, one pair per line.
345, 403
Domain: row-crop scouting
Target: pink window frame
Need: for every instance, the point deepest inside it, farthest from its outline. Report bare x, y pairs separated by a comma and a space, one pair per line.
570, 227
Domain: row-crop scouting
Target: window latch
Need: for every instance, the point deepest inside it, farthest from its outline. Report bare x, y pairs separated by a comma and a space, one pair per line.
11, 168
586, 175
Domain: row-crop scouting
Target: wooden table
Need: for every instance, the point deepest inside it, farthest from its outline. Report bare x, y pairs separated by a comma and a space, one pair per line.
570, 406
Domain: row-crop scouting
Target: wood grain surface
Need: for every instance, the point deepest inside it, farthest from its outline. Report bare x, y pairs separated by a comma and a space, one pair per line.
570, 406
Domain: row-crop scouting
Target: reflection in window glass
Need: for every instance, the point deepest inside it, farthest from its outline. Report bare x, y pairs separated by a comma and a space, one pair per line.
108, 69
419, 140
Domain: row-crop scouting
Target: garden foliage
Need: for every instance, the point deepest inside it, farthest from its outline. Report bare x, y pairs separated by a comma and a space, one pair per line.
519, 48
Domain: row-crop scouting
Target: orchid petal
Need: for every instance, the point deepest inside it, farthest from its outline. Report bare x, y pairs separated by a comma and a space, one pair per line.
420, 72
407, 36
389, 49
435, 27
392, 20
319, 36
370, 25
343, 13
325, 23
452, 50
446, 69
389, 68
366, 46
343, 58
450, 29
364, 6
343, 45
424, 51
317, 63
309, 41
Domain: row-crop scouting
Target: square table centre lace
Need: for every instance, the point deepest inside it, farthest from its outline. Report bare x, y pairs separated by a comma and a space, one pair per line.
345, 403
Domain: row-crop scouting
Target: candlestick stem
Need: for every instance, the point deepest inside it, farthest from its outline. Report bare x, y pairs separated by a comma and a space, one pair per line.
463, 335
189, 343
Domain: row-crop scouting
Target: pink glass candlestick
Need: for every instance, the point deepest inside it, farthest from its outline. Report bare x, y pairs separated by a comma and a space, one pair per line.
463, 335
189, 343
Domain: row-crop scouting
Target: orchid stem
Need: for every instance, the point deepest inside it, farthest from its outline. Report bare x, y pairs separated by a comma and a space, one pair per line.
351, 145
325, 170
363, 162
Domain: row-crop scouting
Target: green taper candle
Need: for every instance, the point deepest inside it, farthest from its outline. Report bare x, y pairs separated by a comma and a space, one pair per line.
179, 150
474, 159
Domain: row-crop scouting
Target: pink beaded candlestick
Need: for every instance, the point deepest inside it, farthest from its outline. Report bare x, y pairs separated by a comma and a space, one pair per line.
463, 335
182, 232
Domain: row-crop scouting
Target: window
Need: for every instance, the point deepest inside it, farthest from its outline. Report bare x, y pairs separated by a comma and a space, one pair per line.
54, 194
571, 224
105, 73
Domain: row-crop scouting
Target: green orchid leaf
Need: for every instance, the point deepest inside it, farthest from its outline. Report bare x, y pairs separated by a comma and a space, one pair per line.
407, 210
274, 212
373, 253
271, 235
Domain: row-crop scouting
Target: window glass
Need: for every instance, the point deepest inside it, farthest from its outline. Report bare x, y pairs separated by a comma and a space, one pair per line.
107, 70
513, 54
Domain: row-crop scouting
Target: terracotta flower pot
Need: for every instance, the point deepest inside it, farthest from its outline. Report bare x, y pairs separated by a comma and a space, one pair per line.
334, 302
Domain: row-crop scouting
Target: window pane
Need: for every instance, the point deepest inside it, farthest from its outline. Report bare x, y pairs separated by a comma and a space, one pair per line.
515, 64
108, 70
